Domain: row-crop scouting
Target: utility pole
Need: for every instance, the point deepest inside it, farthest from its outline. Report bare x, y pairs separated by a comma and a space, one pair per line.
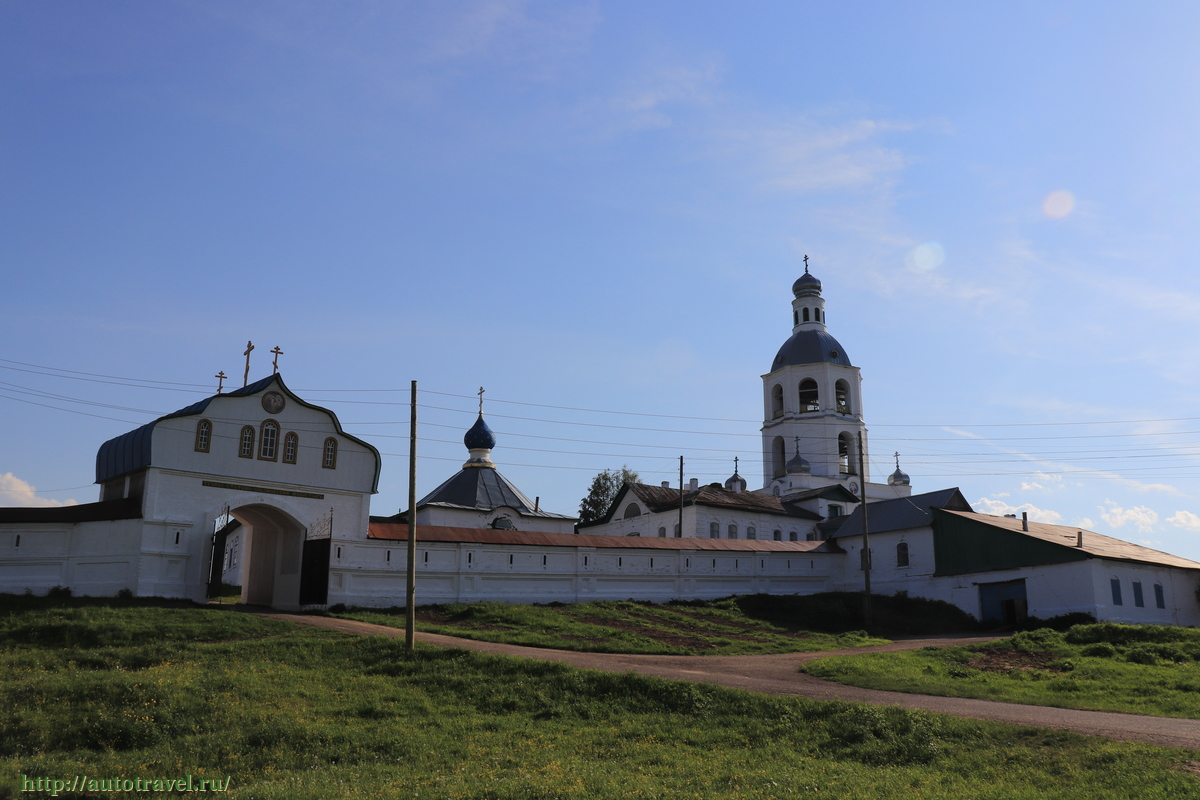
410, 602
866, 551
680, 532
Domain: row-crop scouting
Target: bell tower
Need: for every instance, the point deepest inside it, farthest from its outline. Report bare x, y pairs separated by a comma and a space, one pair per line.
812, 403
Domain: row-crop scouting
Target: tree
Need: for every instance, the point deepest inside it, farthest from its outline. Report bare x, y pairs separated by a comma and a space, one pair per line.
602, 492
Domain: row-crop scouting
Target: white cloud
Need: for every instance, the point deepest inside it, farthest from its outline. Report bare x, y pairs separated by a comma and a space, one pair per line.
1044, 482
1143, 518
985, 505
1185, 519
16, 492
1086, 522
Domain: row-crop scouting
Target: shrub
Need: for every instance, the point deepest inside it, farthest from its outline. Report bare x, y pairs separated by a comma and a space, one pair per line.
1038, 641
1149, 653
1100, 650
125, 594
59, 592
1116, 633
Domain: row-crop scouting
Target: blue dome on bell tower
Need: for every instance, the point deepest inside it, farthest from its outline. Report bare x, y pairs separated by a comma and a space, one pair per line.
480, 437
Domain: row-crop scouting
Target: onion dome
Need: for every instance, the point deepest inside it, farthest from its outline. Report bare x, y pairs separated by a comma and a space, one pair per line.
898, 478
797, 465
735, 483
806, 284
480, 437
479, 441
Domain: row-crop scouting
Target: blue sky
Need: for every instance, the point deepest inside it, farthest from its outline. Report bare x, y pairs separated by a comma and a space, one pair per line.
592, 208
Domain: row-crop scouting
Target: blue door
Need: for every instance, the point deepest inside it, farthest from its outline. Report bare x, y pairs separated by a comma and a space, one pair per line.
1003, 603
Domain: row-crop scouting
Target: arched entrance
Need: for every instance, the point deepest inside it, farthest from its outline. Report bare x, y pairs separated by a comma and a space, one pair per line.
273, 553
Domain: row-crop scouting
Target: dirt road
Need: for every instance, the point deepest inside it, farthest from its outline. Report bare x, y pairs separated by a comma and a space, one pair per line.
779, 674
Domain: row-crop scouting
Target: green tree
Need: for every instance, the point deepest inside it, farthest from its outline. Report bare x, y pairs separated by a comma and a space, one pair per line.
602, 492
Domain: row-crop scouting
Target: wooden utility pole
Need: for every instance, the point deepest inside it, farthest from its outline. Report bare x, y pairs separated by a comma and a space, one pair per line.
866, 551
410, 601
680, 531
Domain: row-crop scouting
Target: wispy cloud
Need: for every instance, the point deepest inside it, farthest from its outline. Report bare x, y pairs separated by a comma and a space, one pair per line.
987, 505
1185, 519
1142, 517
16, 492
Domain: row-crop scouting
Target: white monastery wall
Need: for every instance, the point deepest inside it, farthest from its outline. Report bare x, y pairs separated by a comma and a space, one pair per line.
92, 558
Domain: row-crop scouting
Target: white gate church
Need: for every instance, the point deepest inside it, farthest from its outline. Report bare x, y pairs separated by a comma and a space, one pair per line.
259, 455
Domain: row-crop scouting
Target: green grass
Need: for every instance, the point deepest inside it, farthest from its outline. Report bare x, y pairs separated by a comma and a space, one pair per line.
753, 624
134, 690
1140, 669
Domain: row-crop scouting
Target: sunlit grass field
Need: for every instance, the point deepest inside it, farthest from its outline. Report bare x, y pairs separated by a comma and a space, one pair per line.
137, 689
743, 625
1139, 669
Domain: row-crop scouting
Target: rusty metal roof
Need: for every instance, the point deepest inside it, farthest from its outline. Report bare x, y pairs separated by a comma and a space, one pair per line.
445, 533
1094, 544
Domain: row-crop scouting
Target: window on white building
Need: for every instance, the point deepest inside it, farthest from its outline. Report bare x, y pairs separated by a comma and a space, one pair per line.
902, 554
269, 440
247, 448
1115, 583
1138, 600
203, 435
1160, 597
714, 530
810, 396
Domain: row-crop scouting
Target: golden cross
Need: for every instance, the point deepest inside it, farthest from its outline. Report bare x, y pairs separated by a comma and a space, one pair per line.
481, 401
246, 376
221, 380
275, 363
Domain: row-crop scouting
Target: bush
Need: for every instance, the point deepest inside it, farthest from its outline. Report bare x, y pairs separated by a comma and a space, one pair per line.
1116, 633
1038, 641
59, 592
1100, 650
1149, 653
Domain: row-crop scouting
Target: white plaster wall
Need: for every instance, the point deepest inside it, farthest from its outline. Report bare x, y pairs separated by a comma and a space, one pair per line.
364, 573
91, 558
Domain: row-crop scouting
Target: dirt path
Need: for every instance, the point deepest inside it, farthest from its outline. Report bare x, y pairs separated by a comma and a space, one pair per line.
778, 674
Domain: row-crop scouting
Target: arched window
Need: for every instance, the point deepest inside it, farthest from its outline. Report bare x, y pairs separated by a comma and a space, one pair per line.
841, 392
291, 446
792, 537
776, 401
811, 536
662, 533
810, 399
777, 457
1160, 597
750, 532
714, 530
678, 533
632, 510
778, 535
817, 314
795, 317
846, 454
247, 448
269, 441
732, 531
330, 459
805, 315
902, 554
203, 436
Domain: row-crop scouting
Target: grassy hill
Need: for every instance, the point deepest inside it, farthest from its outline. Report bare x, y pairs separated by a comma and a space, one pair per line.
142, 690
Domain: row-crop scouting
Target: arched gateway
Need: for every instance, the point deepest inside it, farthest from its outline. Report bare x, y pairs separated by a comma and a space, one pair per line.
283, 469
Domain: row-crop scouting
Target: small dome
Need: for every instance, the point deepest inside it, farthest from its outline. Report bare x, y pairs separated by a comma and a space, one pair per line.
480, 437
797, 465
806, 284
898, 478
735, 483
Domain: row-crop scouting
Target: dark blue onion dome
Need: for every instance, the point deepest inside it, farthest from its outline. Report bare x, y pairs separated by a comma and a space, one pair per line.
797, 465
810, 347
480, 437
898, 478
806, 284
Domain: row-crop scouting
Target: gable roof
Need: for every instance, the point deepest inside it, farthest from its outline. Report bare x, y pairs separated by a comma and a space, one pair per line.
131, 451
664, 498
902, 512
1095, 544
483, 489
394, 531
